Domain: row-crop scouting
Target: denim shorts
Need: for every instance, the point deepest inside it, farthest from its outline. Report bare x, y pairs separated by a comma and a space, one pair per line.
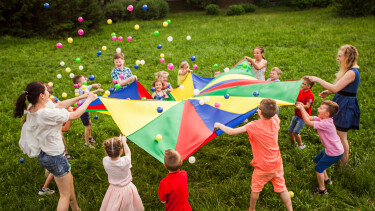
57, 165
323, 161
296, 125
85, 118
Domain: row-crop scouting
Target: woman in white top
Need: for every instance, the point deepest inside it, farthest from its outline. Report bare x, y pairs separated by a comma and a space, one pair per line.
258, 64
43, 132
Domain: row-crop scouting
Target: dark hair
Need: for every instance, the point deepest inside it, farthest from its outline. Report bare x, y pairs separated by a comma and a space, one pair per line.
172, 160
76, 79
113, 147
268, 108
305, 78
32, 92
261, 50
118, 56
158, 80
332, 107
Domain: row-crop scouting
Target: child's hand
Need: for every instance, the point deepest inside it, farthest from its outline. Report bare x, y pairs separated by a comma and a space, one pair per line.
133, 78
123, 138
70, 109
100, 90
299, 105
324, 94
217, 125
91, 96
98, 86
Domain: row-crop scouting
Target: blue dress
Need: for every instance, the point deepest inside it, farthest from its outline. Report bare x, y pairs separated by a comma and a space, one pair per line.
349, 113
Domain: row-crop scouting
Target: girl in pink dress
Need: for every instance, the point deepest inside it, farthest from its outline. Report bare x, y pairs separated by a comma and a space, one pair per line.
122, 193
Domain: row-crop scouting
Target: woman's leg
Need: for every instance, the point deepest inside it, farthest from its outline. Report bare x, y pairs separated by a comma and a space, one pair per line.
65, 184
344, 140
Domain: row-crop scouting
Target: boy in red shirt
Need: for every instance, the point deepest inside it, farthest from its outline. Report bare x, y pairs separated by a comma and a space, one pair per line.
268, 165
173, 189
306, 97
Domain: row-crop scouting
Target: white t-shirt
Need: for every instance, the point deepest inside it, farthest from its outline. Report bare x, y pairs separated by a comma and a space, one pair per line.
259, 74
118, 171
81, 91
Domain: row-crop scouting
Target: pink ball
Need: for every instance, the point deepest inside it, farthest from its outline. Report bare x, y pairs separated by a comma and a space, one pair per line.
120, 39
114, 81
128, 98
59, 45
86, 79
217, 105
162, 60
81, 32
170, 66
130, 8
79, 103
114, 38
130, 38
121, 76
80, 19
76, 86
195, 66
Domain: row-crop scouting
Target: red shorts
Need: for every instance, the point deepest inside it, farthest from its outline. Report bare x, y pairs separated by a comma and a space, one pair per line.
260, 178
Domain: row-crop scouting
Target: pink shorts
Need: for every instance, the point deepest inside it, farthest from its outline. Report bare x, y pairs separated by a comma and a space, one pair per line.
260, 178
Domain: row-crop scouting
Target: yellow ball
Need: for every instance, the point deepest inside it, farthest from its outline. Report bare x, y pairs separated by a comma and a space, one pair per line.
165, 23
138, 62
70, 40
109, 21
51, 97
67, 70
107, 92
161, 55
64, 95
104, 48
84, 87
159, 137
136, 27
291, 194
76, 94
50, 84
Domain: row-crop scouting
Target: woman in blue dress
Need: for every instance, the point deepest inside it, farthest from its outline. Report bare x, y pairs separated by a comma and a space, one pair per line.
345, 88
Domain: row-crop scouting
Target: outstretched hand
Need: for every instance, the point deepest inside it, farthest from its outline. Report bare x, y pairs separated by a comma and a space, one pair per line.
299, 105
324, 94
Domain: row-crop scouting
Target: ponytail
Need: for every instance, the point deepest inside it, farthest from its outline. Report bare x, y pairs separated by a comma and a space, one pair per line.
20, 105
33, 90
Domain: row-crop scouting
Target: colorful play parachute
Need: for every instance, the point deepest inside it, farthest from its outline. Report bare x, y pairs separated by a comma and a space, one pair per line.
187, 125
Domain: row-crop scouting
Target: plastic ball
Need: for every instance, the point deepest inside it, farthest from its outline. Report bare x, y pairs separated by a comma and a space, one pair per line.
50, 84
246, 121
226, 96
120, 38
144, 7
130, 8
59, 76
79, 103
109, 21
244, 66
161, 55
158, 46
80, 19
51, 96
99, 53
84, 87
170, 66
136, 66
70, 40
113, 34
170, 39
81, 32
192, 58
91, 77
169, 22
80, 67
46, 5
159, 109
165, 23
156, 33
152, 89
143, 62
86, 79
64, 95
143, 98
58, 45
136, 27
188, 38
206, 99
162, 60
117, 86
67, 70
118, 50
195, 66
256, 94
22, 160
111, 90
169, 85
78, 60
84, 82
114, 81
182, 87
226, 69
191, 159
96, 117
107, 92
62, 63
216, 66
71, 75
104, 48
196, 92
76, 94
130, 38
291, 194
158, 137
217, 105
114, 38
76, 86
75, 105
201, 102
138, 62
121, 76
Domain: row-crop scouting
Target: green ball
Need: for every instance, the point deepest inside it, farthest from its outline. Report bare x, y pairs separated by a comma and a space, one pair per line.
84, 83
169, 22
78, 60
113, 34
244, 66
117, 86
156, 33
216, 66
143, 98
75, 105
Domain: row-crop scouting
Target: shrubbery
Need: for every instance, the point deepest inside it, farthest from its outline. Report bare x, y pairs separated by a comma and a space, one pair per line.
249, 7
156, 9
354, 8
305, 4
201, 3
212, 9
118, 10
235, 10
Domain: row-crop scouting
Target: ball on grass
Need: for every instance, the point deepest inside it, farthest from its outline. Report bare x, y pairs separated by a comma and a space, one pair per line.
191, 159
96, 117
22, 160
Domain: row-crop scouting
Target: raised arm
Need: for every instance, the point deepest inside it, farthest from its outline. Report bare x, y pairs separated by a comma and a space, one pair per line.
126, 81
334, 88
228, 130
80, 110
69, 102
126, 147
305, 116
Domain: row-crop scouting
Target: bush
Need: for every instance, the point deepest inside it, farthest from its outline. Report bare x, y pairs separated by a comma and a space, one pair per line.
156, 9
235, 10
264, 3
201, 3
306, 4
30, 18
118, 10
212, 9
354, 8
249, 7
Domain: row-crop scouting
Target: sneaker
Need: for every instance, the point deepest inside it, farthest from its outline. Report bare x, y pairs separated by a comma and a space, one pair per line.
302, 147
92, 140
45, 191
316, 191
90, 146
328, 182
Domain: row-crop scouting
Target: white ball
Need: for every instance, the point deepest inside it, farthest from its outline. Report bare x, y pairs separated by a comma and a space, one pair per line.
188, 38
196, 92
201, 102
76, 91
191, 159
143, 62
226, 69
62, 63
182, 87
245, 121
170, 38
71, 75
58, 76
206, 99
118, 50
80, 67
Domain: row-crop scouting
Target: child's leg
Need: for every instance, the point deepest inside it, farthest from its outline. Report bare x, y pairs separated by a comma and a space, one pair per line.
87, 133
292, 137
253, 200
344, 140
285, 197
48, 181
325, 175
298, 139
320, 177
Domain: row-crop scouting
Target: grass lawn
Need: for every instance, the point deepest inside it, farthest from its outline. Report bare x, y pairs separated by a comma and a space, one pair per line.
299, 43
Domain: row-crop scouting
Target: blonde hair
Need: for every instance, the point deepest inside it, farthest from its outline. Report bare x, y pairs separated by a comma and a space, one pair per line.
350, 55
183, 64
113, 147
118, 56
172, 160
160, 74
277, 70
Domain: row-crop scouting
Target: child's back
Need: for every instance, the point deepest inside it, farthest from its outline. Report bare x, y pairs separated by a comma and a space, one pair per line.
173, 189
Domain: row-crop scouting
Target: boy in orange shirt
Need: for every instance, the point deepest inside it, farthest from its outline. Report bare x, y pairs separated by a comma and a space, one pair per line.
268, 165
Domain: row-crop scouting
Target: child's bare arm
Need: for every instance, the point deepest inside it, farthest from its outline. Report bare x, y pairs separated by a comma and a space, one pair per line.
98, 90
126, 147
305, 116
69, 102
228, 130
96, 85
126, 81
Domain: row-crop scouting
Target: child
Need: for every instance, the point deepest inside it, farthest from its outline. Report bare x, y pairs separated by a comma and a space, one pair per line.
122, 193
267, 162
183, 72
334, 149
163, 76
85, 118
159, 92
173, 189
119, 69
306, 97
259, 63
275, 74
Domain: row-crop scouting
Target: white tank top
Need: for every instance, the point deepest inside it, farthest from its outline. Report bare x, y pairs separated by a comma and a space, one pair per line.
259, 74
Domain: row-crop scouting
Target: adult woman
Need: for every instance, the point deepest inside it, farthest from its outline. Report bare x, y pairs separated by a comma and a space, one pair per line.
43, 131
345, 87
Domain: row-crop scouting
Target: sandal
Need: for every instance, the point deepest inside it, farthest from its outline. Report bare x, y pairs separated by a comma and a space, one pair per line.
90, 146
92, 140
328, 182
68, 156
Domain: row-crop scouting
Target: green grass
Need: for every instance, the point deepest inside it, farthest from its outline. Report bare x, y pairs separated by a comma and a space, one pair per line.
300, 43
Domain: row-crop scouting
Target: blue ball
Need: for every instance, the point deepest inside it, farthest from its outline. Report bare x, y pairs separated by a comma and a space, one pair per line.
159, 109
136, 66
91, 77
22, 160
159, 46
169, 85
96, 117
192, 58
99, 52
256, 94
226, 96
144, 7
111, 90
46, 5
97, 55
152, 89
